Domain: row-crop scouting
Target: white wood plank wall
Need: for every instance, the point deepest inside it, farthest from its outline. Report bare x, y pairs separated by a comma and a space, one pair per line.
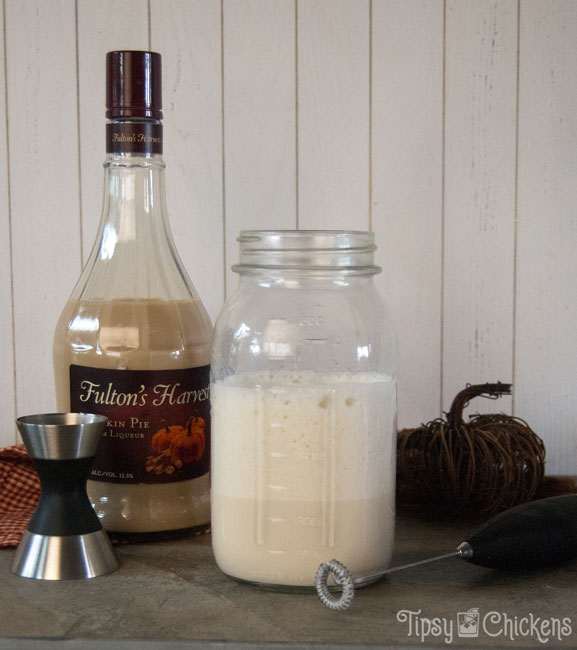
449, 127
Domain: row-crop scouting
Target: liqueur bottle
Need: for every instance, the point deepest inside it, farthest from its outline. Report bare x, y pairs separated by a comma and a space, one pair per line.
133, 341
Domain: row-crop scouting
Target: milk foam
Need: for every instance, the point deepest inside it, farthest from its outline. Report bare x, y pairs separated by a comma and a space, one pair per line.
303, 469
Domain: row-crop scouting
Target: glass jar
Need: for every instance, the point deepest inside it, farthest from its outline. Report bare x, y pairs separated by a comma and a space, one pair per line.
303, 393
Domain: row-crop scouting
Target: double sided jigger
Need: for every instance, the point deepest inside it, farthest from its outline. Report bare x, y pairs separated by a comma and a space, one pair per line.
64, 539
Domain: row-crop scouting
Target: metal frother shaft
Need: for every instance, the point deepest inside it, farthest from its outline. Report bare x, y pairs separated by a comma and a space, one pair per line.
64, 539
343, 578
530, 536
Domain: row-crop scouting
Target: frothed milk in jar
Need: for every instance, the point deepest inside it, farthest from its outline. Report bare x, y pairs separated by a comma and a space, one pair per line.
303, 395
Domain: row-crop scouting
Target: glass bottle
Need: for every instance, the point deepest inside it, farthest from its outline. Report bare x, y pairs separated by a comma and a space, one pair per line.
303, 390
133, 341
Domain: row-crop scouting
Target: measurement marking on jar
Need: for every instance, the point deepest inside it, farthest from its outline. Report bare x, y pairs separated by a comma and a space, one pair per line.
310, 456
311, 321
276, 488
309, 522
277, 520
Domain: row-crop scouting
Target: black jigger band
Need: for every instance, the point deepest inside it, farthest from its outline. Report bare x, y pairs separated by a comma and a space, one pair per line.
64, 507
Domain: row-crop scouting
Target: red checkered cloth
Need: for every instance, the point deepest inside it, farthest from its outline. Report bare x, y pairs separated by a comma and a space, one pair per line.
19, 493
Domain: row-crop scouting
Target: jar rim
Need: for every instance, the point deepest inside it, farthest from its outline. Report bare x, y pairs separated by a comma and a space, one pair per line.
349, 251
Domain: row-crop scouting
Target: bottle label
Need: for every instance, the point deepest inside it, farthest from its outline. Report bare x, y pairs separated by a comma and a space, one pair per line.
158, 428
133, 137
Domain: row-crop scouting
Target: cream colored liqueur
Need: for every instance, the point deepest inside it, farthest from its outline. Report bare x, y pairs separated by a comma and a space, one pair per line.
298, 474
141, 335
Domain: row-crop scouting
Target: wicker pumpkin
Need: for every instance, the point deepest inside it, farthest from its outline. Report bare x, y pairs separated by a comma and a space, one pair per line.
480, 467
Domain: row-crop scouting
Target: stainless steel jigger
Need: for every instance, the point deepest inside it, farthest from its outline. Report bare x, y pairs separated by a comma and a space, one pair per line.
64, 539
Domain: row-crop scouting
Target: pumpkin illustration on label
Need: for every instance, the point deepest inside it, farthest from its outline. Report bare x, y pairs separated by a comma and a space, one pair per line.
175, 445
189, 446
163, 437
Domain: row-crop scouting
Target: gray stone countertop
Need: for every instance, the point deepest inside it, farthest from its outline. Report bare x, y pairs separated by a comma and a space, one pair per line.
171, 596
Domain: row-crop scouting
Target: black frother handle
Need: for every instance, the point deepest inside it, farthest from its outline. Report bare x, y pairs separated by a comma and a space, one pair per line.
64, 507
535, 534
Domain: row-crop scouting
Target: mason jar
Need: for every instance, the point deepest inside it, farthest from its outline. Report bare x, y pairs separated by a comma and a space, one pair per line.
303, 393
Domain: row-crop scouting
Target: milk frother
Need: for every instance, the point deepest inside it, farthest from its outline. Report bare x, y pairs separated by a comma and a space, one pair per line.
530, 536
64, 539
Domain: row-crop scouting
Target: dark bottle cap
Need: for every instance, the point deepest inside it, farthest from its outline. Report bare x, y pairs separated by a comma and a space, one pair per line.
133, 85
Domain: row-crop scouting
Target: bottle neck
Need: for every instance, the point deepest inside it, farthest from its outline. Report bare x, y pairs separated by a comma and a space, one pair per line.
134, 203
134, 187
134, 255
